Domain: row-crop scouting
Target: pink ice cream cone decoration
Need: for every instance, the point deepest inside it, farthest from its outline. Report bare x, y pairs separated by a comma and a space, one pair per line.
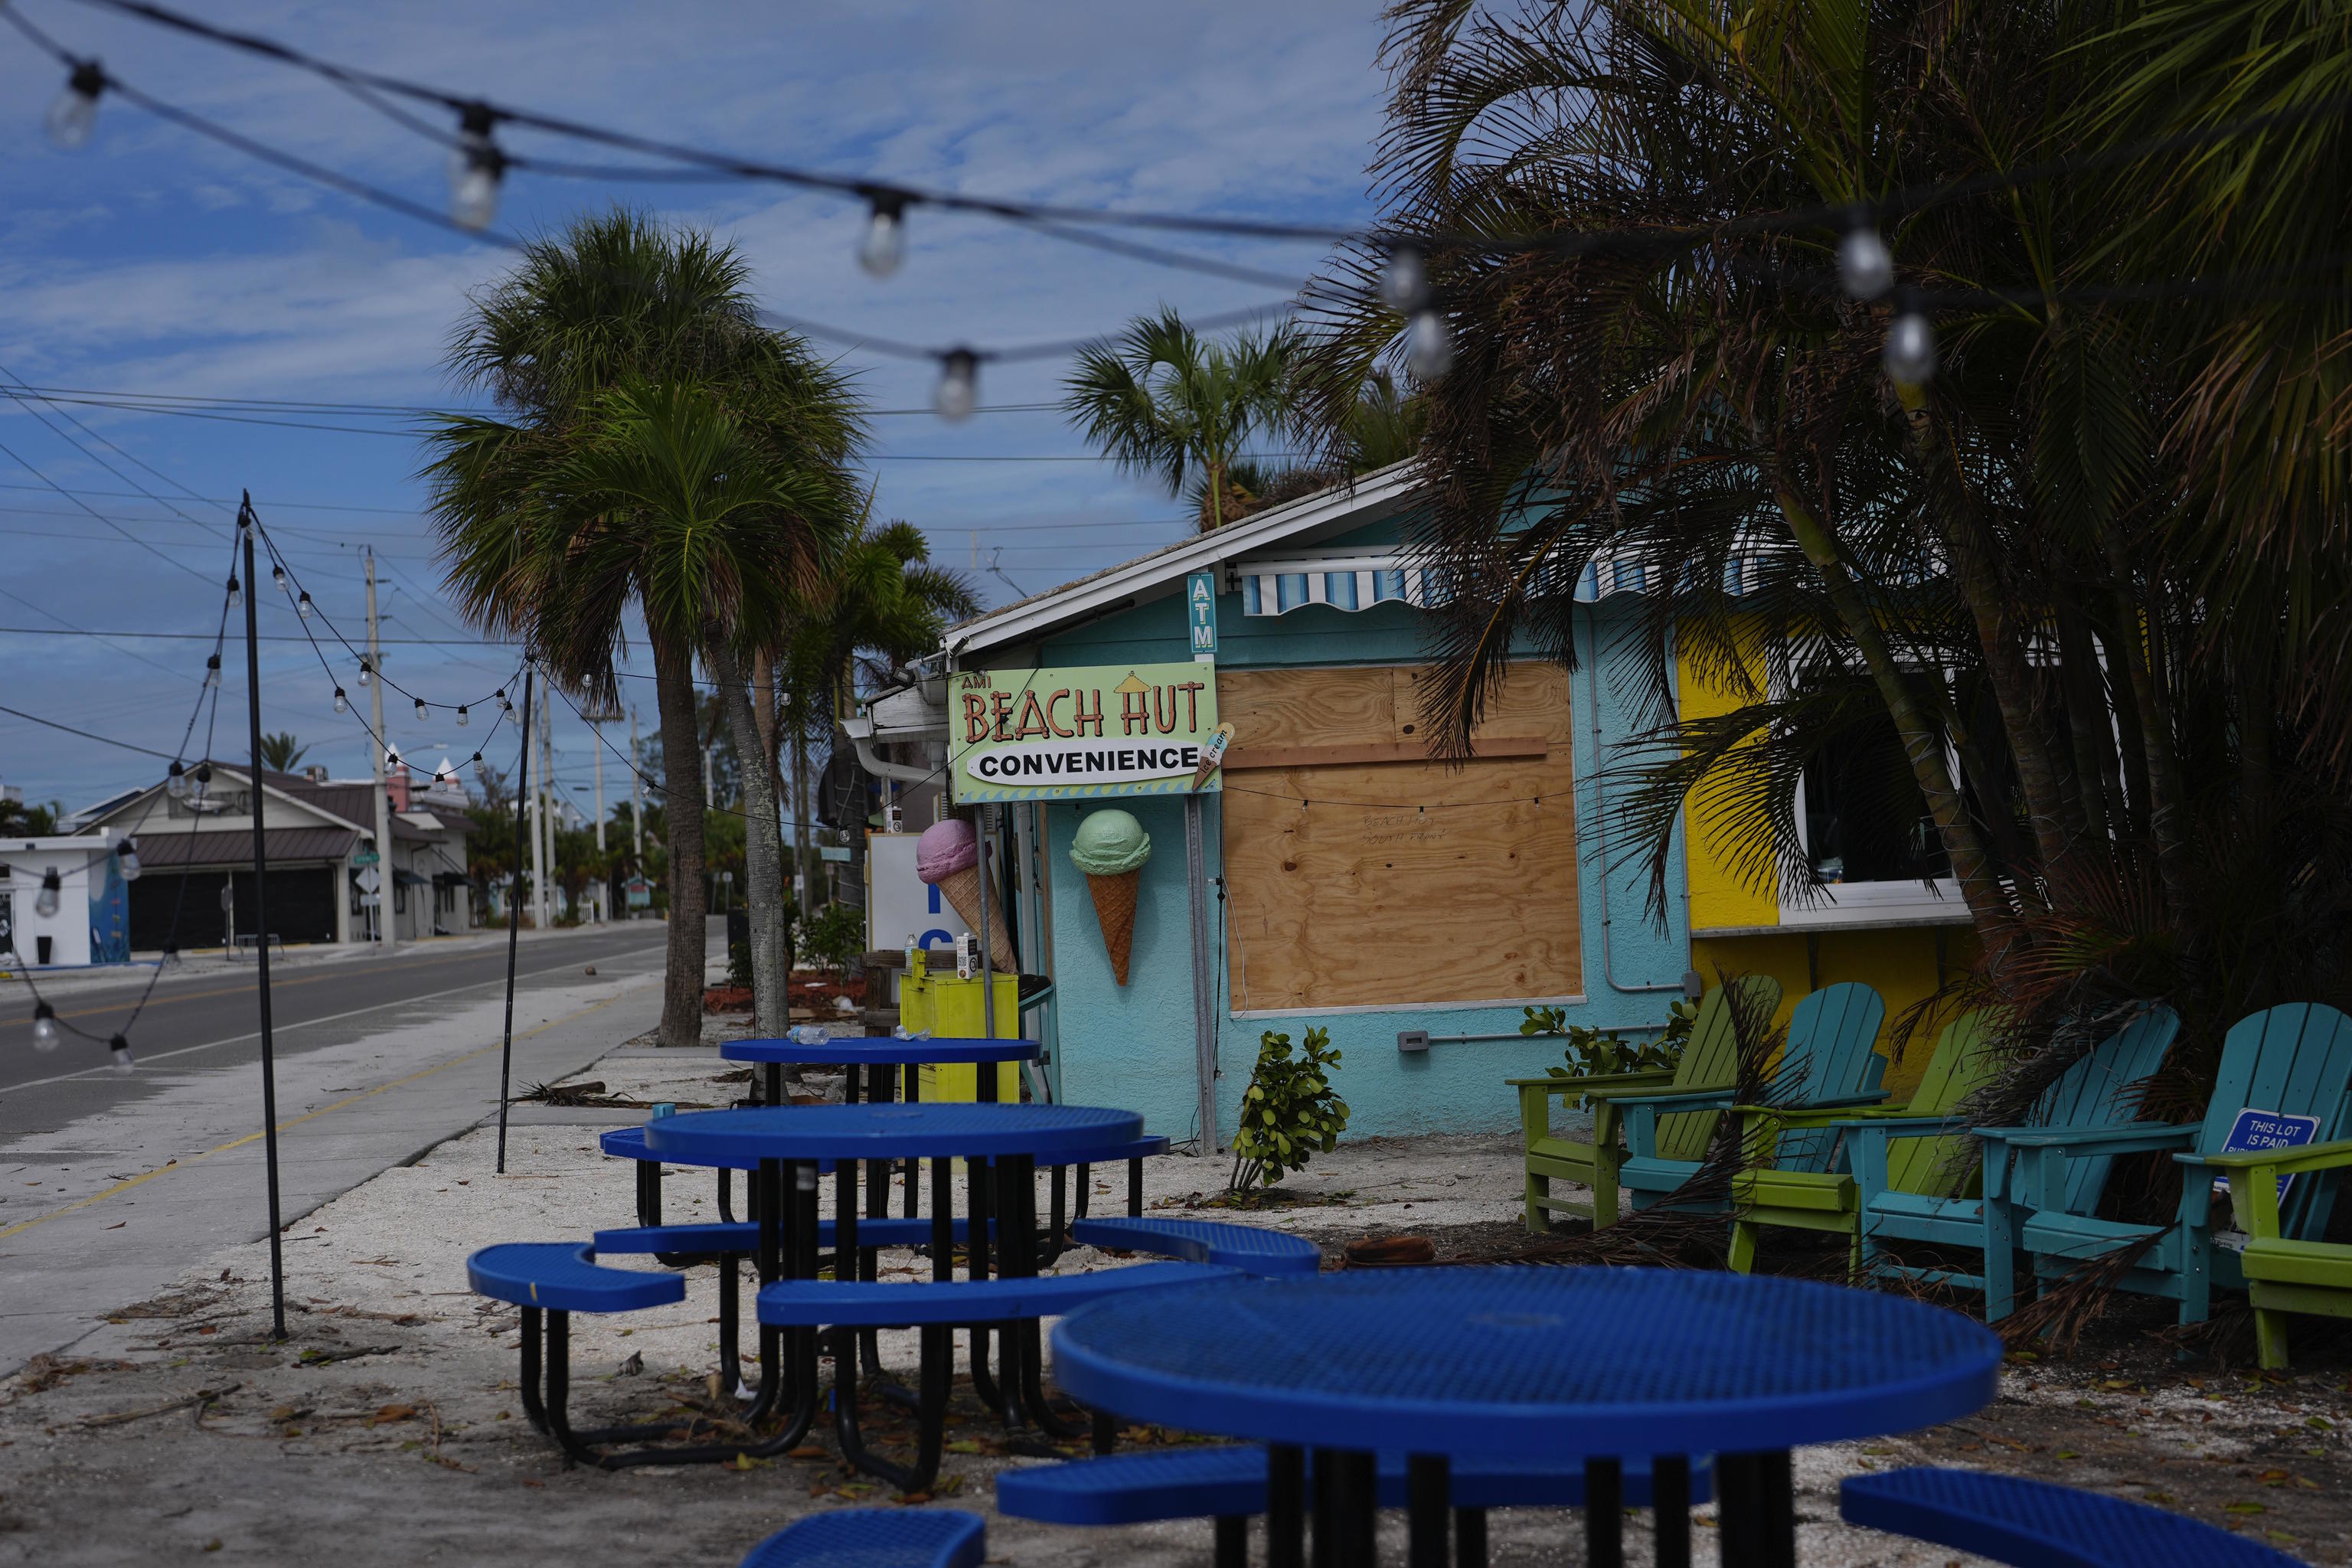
948, 857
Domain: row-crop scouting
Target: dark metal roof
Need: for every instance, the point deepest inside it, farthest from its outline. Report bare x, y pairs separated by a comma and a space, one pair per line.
163, 847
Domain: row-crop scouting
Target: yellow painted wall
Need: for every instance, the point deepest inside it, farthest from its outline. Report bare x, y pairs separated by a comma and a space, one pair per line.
1900, 963
1719, 896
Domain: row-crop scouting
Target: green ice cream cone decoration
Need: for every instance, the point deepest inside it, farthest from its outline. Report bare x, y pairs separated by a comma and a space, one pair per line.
1110, 849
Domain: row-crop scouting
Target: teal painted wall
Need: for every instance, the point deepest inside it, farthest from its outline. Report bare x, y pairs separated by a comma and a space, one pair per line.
1132, 1046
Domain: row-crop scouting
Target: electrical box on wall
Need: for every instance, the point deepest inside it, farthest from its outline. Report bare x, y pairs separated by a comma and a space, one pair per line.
1413, 1039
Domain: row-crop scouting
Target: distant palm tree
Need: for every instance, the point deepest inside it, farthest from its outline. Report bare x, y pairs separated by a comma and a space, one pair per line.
280, 754
881, 595
718, 536
1160, 401
613, 299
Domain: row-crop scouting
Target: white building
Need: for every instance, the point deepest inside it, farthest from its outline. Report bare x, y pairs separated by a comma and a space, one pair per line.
197, 856
79, 883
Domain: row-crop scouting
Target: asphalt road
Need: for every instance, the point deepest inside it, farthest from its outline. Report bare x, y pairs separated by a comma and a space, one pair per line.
206, 1017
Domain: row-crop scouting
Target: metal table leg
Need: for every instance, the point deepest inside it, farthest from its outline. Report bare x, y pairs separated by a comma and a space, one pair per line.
1429, 1498
1285, 1507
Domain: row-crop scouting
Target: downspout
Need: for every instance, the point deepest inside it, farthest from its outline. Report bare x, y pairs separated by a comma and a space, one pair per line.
1601, 811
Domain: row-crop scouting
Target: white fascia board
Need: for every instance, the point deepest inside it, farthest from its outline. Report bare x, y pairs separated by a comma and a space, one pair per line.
1166, 568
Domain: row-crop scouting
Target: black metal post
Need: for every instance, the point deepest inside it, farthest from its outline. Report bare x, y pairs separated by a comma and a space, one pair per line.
261, 925
514, 912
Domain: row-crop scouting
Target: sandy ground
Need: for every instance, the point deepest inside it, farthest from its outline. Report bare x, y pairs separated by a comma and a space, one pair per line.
386, 1428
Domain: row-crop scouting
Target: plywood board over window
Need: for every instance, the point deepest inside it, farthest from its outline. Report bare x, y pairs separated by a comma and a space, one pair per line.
1360, 875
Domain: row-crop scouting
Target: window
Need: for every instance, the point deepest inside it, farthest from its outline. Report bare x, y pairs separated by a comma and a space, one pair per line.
1335, 863
1864, 817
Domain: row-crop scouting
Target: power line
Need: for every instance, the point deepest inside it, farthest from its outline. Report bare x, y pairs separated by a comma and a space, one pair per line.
959, 361
265, 636
136, 400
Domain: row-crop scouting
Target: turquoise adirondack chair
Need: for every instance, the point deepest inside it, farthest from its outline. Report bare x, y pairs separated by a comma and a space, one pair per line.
2094, 1093
2294, 1059
1830, 1060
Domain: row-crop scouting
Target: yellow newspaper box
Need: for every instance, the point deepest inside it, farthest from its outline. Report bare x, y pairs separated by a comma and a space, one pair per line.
953, 1009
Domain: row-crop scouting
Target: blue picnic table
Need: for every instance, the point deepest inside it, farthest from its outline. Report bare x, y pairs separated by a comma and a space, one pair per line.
1001, 1144
1590, 1366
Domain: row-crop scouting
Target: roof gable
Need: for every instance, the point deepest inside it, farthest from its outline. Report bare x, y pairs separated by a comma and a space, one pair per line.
1351, 508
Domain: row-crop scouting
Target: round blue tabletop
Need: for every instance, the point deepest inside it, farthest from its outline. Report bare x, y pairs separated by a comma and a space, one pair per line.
885, 1132
882, 1049
1547, 1363
629, 1143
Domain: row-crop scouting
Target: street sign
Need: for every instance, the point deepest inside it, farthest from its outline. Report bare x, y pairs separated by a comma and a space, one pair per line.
365, 857
639, 892
370, 879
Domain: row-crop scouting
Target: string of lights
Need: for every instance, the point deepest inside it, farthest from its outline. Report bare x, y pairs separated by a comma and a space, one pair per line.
478, 163
48, 1027
306, 610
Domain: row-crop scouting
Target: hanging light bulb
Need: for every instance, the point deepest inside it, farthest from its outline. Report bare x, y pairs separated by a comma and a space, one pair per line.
885, 245
475, 167
120, 1049
202, 778
236, 594
421, 711
176, 782
51, 886
1865, 267
392, 759
365, 673
342, 703
1910, 353
127, 859
958, 390
277, 577
461, 715
302, 605
504, 706
74, 113
212, 669
45, 1034
1428, 347
1404, 281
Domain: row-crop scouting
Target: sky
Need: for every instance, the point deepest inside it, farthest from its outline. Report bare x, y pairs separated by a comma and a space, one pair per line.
152, 262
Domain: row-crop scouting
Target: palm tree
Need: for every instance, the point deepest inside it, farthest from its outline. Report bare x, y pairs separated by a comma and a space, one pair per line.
879, 595
1161, 402
719, 532
2095, 558
280, 752
615, 299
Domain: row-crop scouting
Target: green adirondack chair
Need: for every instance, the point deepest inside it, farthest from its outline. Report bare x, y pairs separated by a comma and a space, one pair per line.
1710, 1059
2283, 1275
1830, 1061
2292, 1060
1938, 1165
2094, 1093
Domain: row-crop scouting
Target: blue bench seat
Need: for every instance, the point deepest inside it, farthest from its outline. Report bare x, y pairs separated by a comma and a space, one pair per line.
858, 1304
2037, 1524
1247, 1247
564, 1276
877, 1538
1230, 1482
744, 1237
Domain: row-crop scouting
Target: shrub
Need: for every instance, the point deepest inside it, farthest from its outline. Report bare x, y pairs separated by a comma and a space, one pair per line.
835, 937
1592, 1051
1288, 1111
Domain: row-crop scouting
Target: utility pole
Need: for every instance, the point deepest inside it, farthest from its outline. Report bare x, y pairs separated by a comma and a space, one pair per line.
636, 796
538, 827
547, 793
386, 879
596, 729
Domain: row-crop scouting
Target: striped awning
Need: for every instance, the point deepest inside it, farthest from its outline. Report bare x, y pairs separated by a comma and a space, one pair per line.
1276, 587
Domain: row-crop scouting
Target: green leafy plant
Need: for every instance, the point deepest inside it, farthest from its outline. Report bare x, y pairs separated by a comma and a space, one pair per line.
1592, 1051
835, 937
1288, 1111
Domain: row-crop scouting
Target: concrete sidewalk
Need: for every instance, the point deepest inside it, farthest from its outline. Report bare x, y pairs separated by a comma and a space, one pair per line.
109, 1208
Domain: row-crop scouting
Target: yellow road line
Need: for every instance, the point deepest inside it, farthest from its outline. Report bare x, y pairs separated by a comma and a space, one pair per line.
125, 1185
